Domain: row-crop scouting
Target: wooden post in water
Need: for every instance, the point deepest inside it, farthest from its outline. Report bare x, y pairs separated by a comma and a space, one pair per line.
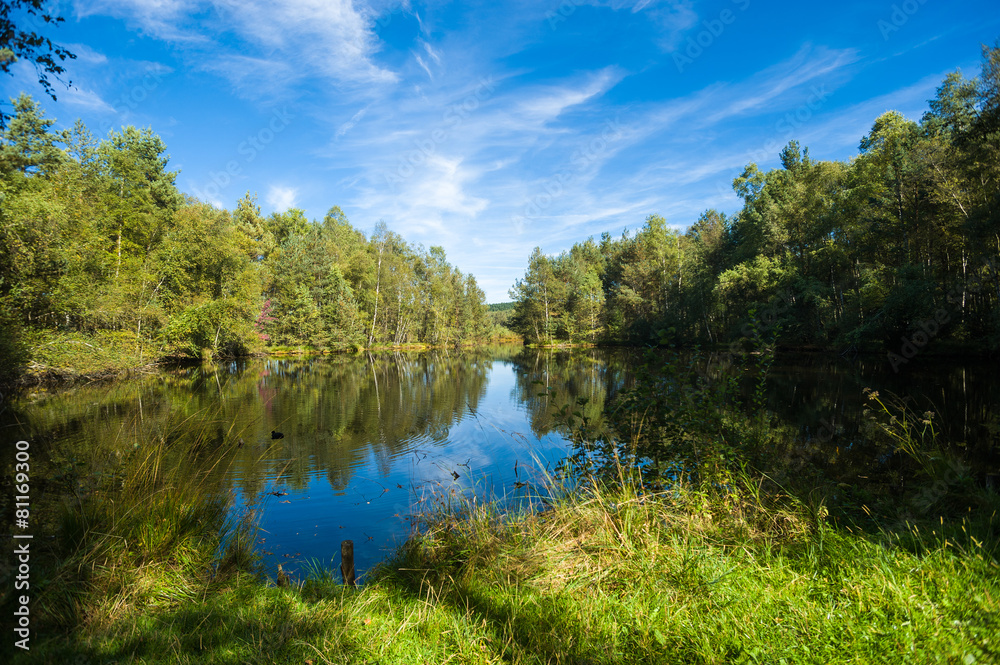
347, 562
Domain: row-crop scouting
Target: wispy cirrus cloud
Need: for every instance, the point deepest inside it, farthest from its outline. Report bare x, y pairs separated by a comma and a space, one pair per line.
86, 99
163, 19
79, 96
808, 65
542, 104
86, 54
527, 139
290, 39
391, 119
349, 125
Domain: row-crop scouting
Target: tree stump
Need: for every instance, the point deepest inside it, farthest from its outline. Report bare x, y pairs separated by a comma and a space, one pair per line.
347, 562
282, 578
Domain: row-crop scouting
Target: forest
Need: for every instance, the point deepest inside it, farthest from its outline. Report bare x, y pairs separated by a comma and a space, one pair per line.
502, 503
894, 250
105, 264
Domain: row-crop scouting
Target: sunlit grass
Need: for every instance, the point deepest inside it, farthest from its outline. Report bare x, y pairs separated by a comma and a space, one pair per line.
605, 574
69, 355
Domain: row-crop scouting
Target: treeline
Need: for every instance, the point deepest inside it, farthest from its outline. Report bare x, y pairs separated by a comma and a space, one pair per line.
897, 246
100, 254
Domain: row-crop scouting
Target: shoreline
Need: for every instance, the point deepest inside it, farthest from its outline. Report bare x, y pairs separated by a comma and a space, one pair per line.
52, 378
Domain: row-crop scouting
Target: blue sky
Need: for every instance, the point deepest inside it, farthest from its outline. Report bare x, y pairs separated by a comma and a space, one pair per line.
490, 128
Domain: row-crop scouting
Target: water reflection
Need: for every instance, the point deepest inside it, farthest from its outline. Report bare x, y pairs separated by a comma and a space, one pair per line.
812, 392
369, 439
583, 379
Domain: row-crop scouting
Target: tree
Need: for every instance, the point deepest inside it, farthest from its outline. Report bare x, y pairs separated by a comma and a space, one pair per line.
539, 298
473, 321
18, 44
583, 267
378, 241
707, 242
339, 310
27, 145
141, 195
255, 239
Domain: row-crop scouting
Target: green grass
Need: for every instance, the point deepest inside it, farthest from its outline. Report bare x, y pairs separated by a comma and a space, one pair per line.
69, 355
134, 532
148, 568
604, 575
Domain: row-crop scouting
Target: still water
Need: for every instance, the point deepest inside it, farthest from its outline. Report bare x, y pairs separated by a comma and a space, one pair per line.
369, 440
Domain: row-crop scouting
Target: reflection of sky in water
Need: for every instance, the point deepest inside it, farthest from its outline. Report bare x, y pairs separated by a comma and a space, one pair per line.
432, 416
369, 439
310, 521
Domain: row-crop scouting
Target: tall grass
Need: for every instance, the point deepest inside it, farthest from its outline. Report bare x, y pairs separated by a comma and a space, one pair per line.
134, 530
604, 573
601, 565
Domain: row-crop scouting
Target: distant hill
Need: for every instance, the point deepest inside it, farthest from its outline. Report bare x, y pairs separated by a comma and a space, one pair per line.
500, 306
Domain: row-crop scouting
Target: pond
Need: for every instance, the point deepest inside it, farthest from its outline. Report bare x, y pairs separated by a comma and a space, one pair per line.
371, 439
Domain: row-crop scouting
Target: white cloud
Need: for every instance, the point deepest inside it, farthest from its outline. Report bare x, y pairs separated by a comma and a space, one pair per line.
24, 79
423, 65
159, 18
326, 38
85, 99
674, 18
540, 105
349, 125
329, 36
281, 198
431, 52
807, 65
86, 54
252, 76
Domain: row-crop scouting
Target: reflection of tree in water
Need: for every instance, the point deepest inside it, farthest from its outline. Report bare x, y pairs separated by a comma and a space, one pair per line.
340, 412
808, 391
336, 413
548, 379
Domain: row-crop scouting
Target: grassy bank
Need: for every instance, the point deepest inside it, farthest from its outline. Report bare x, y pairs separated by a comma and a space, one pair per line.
52, 358
59, 357
604, 575
121, 527
764, 560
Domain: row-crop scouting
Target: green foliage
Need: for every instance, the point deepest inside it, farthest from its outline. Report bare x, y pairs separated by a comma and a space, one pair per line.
559, 299
131, 528
14, 353
18, 44
501, 307
96, 242
863, 253
606, 574
27, 144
